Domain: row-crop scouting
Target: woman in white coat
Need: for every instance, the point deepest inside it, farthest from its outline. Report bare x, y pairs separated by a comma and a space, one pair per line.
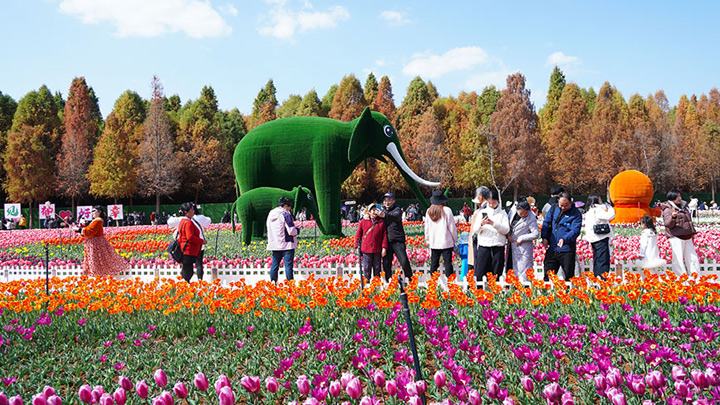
491, 230
523, 232
598, 233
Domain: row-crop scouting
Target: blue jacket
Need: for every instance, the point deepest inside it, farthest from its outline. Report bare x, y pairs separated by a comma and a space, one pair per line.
568, 228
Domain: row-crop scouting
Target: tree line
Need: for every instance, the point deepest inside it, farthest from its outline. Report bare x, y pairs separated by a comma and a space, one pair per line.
53, 147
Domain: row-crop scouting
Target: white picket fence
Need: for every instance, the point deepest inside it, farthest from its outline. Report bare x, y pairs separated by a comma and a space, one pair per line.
251, 275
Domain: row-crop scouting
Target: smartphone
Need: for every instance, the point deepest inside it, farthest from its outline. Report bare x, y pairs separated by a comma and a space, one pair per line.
484, 215
379, 207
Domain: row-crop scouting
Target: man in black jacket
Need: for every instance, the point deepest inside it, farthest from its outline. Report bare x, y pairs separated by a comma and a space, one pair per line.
392, 215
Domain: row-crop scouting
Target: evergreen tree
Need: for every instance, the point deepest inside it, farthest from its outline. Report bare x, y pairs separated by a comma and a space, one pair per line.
349, 100
265, 104
310, 105
371, 91
289, 107
232, 129
432, 91
590, 97
75, 155
173, 103
159, 168
113, 172
552, 102
487, 104
7, 111
327, 100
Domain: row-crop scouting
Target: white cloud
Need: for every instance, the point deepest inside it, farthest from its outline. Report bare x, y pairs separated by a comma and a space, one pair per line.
283, 22
151, 18
560, 59
381, 62
394, 18
229, 9
432, 66
497, 78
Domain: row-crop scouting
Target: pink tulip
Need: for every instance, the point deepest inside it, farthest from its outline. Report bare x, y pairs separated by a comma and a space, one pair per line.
379, 378
97, 392
655, 379
201, 382
567, 399
167, 398
414, 400
474, 397
678, 373
125, 383
38, 399
493, 388
440, 378
335, 388
600, 383
618, 398
345, 379
527, 383
712, 377
221, 382
614, 378
226, 396
3, 399
16, 400
682, 388
252, 384
699, 379
508, 401
56, 400
48, 391
303, 385
411, 388
552, 392
158, 401
85, 394
354, 389
142, 389
160, 378
391, 387
271, 384
120, 396
180, 390
421, 386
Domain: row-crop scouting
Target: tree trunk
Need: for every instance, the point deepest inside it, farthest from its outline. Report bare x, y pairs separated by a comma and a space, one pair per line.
157, 205
29, 222
713, 189
515, 193
72, 205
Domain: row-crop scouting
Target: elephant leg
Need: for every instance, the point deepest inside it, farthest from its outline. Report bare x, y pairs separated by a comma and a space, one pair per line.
247, 227
258, 228
328, 200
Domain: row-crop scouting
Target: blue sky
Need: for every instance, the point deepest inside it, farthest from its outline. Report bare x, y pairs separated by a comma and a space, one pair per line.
237, 45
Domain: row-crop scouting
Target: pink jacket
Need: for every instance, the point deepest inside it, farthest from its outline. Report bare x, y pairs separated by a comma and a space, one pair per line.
281, 230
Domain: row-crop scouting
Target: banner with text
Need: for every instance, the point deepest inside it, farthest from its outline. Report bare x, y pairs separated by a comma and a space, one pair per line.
12, 211
115, 212
84, 212
47, 211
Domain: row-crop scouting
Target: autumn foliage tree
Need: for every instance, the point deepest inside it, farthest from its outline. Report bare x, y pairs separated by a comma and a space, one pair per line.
349, 100
75, 155
159, 168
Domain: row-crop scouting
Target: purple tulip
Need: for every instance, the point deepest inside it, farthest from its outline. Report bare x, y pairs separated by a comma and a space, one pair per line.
48, 391
391, 387
699, 379
226, 396
354, 389
682, 389
56, 400
303, 385
16, 400
3, 399
120, 396
221, 382
201, 382
493, 388
440, 378
678, 373
712, 377
567, 399
345, 379
85, 394
474, 397
97, 392
271, 384
142, 389
414, 400
125, 383
39, 399
552, 392
252, 384
379, 378
655, 379
180, 390
335, 388
160, 378
167, 398
527, 383
618, 398
614, 378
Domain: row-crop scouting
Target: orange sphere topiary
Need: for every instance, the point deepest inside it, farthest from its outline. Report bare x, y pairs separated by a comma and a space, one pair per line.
631, 193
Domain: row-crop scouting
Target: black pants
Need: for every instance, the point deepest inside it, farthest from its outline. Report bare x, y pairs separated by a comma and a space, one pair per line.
554, 260
601, 257
398, 249
447, 260
187, 266
489, 260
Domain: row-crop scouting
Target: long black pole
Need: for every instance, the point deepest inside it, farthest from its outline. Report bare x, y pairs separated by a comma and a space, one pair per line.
362, 279
413, 345
47, 269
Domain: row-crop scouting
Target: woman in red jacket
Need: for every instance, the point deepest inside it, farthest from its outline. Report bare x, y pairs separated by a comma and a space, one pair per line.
189, 239
371, 238
100, 258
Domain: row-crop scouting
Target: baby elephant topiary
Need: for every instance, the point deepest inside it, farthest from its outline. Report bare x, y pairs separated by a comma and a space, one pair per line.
253, 206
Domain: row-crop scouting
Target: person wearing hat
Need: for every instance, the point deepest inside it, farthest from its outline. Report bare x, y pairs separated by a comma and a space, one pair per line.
481, 196
490, 228
392, 216
371, 238
560, 229
440, 232
201, 222
282, 238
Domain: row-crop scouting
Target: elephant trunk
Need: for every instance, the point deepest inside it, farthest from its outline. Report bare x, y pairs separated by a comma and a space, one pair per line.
410, 177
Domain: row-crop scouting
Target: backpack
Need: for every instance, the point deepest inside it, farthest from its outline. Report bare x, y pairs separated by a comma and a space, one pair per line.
175, 251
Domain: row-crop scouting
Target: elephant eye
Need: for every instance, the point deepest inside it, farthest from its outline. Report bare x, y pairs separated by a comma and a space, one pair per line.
309, 197
389, 132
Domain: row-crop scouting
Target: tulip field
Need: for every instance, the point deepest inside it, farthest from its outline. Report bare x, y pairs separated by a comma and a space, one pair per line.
647, 339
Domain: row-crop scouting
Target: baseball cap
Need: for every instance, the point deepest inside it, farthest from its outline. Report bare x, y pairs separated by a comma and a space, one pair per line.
389, 195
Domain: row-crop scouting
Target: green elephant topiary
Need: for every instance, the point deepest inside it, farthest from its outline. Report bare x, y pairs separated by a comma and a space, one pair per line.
319, 153
253, 207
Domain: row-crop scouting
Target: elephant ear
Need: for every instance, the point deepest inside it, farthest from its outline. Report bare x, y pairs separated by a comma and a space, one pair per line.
361, 135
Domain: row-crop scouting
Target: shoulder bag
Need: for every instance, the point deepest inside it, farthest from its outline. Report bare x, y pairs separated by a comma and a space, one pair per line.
174, 249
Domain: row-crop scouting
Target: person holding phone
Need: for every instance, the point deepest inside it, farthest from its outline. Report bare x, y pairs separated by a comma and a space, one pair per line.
560, 229
392, 214
490, 230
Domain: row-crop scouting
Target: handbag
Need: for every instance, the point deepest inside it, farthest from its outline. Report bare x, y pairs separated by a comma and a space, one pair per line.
601, 229
175, 251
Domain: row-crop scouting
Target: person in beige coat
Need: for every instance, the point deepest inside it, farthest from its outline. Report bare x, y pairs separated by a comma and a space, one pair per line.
440, 232
481, 195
